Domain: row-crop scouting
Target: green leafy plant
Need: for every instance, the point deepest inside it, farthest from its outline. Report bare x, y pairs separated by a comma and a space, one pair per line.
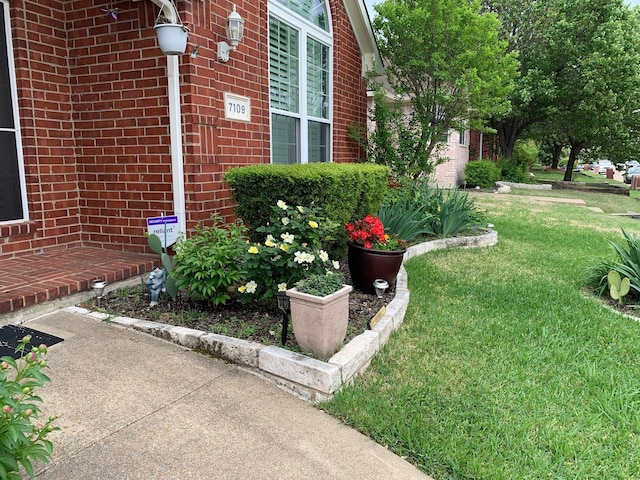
209, 262
321, 285
406, 219
167, 264
292, 249
21, 440
627, 266
481, 173
618, 286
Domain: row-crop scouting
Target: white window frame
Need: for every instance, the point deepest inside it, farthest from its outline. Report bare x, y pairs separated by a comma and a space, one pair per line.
16, 115
305, 30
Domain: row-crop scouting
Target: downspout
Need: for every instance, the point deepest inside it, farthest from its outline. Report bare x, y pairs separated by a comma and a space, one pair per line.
175, 133
175, 123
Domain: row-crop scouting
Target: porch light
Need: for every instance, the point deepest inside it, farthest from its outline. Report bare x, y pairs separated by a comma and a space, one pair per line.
234, 30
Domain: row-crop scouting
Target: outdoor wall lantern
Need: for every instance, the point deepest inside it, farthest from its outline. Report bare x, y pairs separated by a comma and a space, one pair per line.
234, 29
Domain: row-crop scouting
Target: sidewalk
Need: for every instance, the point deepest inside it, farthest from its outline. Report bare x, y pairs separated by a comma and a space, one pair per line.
132, 406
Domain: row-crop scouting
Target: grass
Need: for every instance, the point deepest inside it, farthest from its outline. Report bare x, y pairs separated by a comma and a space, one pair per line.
503, 367
582, 176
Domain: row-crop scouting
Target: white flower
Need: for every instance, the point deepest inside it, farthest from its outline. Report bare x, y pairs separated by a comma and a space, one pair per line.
251, 287
324, 256
336, 264
282, 205
300, 209
287, 237
282, 287
285, 221
303, 257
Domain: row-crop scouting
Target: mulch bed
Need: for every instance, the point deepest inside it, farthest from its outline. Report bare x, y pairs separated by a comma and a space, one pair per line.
256, 321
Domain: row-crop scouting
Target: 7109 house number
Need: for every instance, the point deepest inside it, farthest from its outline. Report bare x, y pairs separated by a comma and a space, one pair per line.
237, 107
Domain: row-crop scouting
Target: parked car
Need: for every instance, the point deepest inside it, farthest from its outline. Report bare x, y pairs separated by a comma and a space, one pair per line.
631, 163
629, 174
604, 165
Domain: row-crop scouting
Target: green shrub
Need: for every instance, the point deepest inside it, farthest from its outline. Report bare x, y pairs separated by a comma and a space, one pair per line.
481, 173
291, 249
21, 441
512, 172
343, 191
208, 263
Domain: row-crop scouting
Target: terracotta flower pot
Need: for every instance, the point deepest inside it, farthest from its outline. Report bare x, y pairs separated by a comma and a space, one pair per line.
366, 265
320, 323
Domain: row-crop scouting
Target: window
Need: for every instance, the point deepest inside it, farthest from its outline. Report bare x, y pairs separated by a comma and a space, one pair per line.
12, 189
463, 137
300, 81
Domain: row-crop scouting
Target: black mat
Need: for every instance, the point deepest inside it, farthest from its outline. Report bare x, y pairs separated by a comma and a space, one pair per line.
11, 335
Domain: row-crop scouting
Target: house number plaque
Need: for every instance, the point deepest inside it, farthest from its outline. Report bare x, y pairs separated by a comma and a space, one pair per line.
237, 107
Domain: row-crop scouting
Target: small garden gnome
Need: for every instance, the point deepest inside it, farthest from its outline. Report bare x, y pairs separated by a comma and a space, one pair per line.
155, 284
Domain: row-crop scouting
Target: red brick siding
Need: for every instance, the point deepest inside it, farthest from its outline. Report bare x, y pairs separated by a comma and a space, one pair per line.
349, 87
94, 115
38, 31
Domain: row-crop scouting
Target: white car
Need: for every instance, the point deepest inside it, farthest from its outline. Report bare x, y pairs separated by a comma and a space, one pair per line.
603, 165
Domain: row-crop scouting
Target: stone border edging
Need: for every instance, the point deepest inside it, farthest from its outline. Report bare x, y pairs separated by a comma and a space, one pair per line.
308, 378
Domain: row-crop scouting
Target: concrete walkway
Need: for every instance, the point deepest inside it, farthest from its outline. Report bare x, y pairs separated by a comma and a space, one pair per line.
132, 406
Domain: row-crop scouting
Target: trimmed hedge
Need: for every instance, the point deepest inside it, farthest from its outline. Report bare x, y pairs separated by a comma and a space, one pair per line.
345, 191
481, 173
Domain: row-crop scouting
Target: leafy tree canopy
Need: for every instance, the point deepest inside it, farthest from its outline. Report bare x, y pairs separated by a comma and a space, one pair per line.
443, 57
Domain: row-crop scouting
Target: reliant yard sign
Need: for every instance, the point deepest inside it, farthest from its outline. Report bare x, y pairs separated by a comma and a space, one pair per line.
166, 228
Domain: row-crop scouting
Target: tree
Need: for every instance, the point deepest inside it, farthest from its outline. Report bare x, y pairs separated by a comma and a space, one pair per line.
444, 57
597, 88
525, 27
578, 74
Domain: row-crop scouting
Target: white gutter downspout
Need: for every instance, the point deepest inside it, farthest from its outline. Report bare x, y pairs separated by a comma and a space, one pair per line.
175, 134
175, 123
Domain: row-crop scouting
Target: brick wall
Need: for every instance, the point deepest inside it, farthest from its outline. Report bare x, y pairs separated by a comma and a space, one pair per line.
38, 31
95, 119
451, 173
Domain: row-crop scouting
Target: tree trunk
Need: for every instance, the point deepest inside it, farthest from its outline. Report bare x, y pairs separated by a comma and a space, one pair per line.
576, 148
556, 151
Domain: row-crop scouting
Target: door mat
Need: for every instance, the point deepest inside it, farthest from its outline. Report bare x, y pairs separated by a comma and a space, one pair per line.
11, 335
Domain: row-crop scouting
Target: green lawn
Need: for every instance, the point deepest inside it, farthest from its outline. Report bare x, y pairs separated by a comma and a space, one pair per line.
504, 368
582, 176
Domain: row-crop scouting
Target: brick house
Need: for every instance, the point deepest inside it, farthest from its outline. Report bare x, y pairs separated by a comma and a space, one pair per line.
102, 131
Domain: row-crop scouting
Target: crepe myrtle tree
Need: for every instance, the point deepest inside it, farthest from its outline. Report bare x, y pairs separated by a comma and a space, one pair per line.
445, 60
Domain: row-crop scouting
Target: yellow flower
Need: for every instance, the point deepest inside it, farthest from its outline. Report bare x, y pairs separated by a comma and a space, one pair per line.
284, 247
242, 288
253, 250
313, 224
282, 287
270, 241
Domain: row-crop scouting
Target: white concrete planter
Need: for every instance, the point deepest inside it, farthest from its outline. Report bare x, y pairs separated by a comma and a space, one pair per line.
320, 323
172, 38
